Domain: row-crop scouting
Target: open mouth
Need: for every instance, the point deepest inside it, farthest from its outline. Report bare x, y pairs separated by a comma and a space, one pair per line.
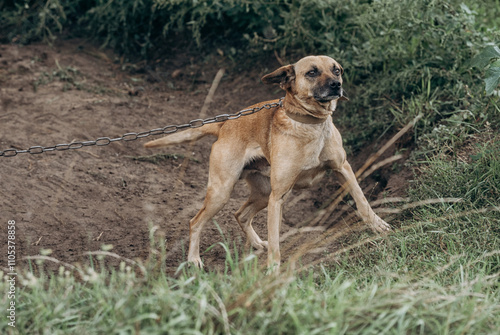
327, 98
329, 95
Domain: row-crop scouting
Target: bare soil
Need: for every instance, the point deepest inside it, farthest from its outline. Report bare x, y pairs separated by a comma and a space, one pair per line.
72, 202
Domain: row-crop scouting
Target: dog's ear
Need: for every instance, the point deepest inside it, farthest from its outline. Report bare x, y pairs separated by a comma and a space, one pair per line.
343, 97
341, 69
282, 76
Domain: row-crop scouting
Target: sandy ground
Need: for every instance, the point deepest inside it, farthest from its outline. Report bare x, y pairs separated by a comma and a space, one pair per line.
76, 201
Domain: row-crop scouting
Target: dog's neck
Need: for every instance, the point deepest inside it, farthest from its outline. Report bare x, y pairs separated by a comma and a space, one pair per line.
308, 118
304, 118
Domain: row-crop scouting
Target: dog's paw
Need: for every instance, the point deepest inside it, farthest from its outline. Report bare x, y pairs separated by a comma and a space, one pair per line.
259, 245
380, 226
195, 261
273, 268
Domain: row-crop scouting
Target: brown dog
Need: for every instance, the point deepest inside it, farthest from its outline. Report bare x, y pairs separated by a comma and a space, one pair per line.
275, 150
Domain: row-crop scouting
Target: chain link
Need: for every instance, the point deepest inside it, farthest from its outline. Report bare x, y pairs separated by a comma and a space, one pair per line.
102, 141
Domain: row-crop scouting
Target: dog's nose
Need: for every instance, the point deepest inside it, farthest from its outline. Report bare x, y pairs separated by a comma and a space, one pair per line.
335, 84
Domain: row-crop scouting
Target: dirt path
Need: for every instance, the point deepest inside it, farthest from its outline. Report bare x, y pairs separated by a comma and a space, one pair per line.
75, 201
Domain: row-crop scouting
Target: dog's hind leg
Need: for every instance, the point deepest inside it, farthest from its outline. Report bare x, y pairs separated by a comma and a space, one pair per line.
224, 172
260, 188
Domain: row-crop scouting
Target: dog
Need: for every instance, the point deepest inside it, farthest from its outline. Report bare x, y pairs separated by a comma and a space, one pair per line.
275, 150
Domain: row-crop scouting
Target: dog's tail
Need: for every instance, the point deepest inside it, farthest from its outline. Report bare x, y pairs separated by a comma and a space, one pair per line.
188, 135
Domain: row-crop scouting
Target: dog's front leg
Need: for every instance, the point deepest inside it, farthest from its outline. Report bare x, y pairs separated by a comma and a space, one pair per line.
274, 217
347, 177
283, 177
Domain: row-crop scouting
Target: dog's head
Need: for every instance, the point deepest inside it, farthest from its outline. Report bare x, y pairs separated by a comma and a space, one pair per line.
314, 80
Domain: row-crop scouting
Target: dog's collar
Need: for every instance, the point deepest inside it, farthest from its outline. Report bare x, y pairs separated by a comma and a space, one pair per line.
302, 118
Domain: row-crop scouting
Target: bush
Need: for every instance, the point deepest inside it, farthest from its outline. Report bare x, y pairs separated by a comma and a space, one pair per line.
402, 58
489, 58
25, 21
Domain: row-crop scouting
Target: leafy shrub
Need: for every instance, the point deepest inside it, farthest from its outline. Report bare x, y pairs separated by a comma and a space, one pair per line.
402, 58
25, 21
489, 58
146, 25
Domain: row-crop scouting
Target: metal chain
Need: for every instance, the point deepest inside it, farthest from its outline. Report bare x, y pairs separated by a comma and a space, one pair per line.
102, 141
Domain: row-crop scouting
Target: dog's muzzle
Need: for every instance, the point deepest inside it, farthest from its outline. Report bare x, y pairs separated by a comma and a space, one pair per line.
331, 91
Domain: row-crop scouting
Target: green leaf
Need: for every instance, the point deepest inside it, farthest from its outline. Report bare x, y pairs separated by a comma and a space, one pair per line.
492, 79
486, 56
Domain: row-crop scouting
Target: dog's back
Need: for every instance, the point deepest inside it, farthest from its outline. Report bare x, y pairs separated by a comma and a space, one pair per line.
212, 129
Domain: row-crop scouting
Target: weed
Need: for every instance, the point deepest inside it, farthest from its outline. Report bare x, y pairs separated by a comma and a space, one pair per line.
68, 75
477, 180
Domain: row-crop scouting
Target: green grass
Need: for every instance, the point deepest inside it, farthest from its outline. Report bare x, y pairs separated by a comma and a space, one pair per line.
437, 273
68, 75
412, 291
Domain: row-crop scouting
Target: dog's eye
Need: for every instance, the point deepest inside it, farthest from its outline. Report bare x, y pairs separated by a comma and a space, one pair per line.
336, 71
312, 73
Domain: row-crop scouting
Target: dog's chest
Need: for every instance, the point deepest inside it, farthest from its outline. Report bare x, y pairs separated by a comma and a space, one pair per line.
319, 149
319, 152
